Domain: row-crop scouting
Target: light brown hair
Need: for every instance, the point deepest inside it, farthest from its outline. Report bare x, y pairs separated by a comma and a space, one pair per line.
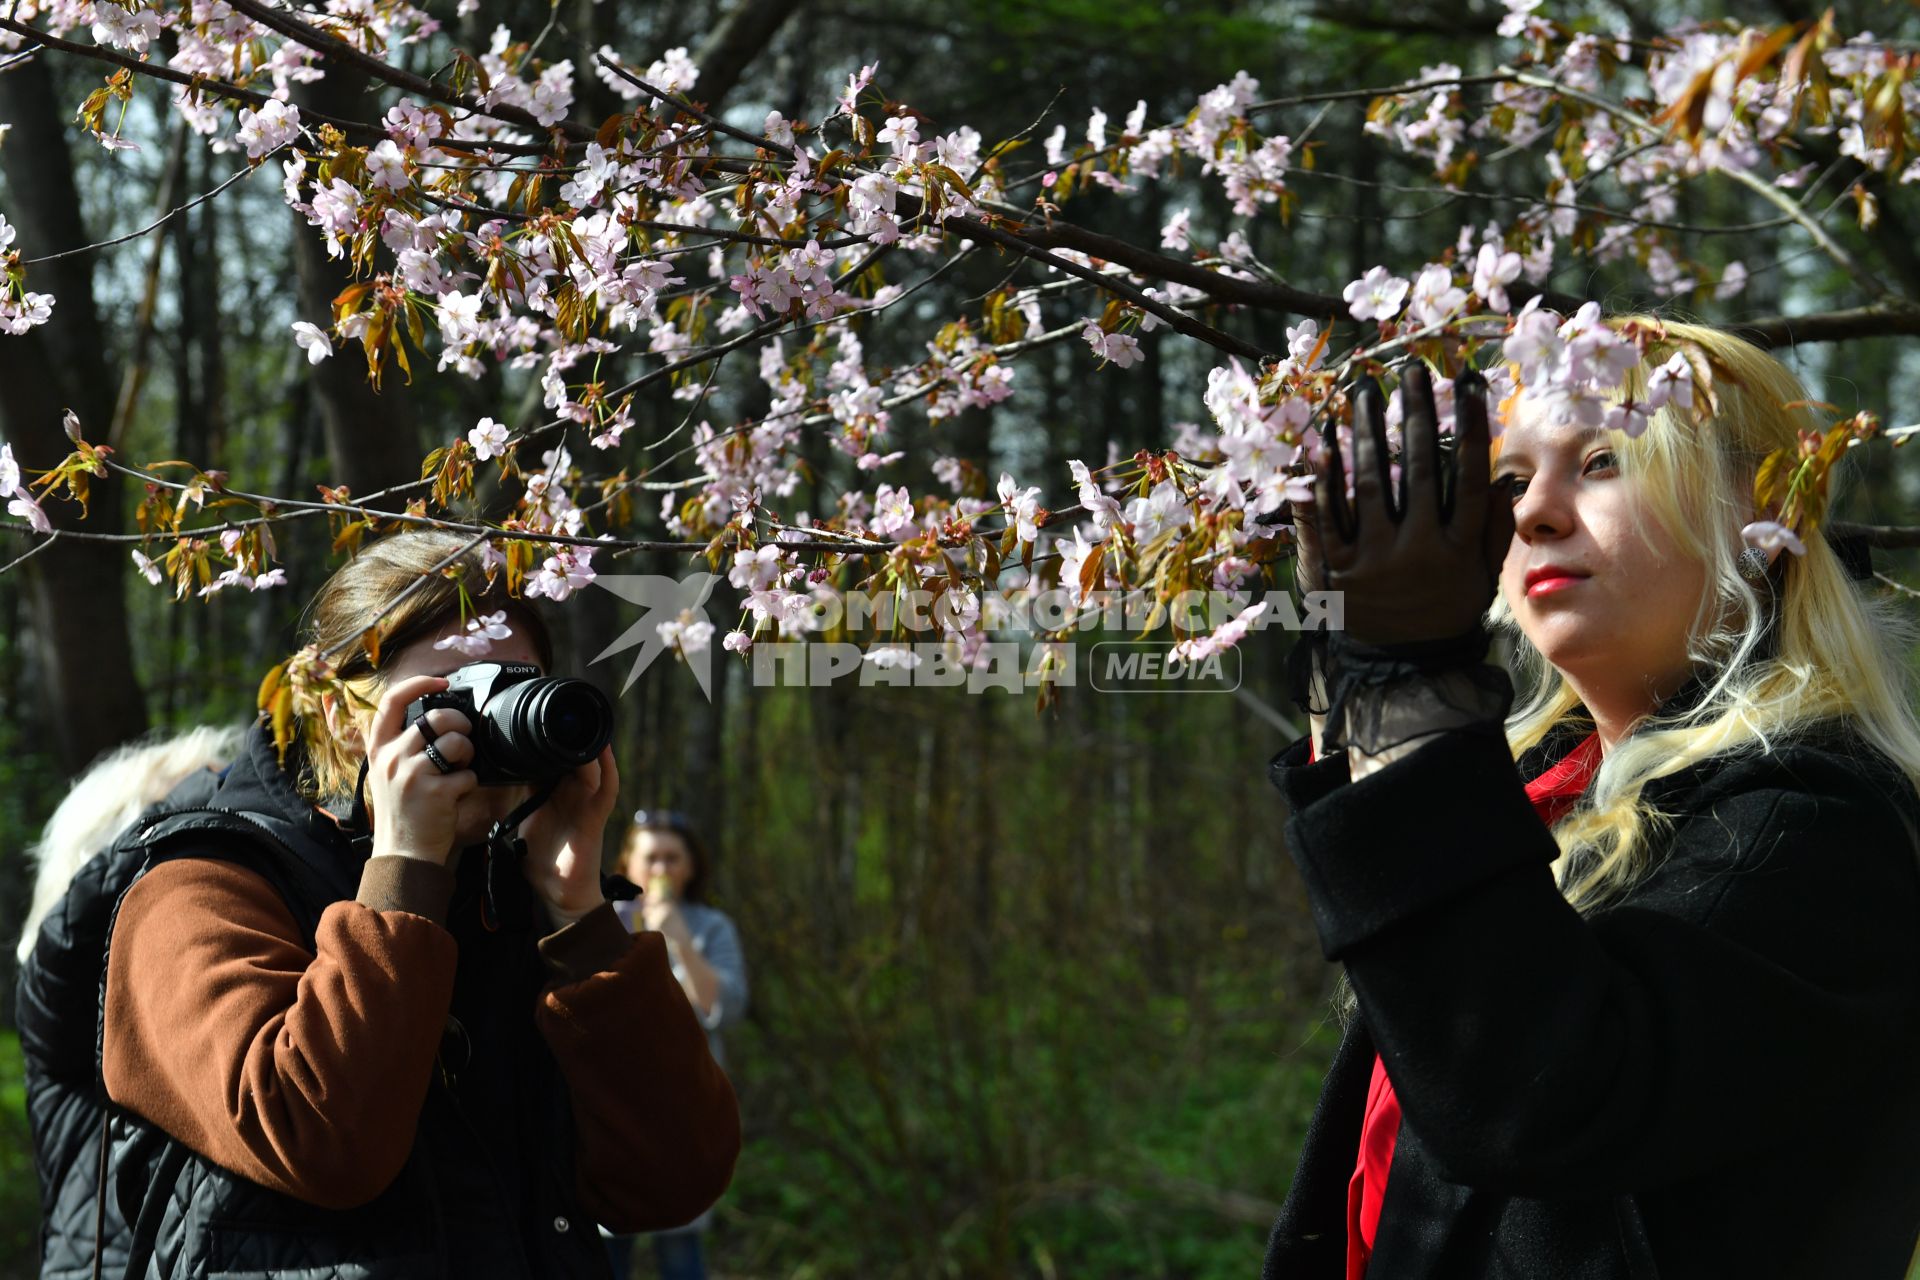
344, 609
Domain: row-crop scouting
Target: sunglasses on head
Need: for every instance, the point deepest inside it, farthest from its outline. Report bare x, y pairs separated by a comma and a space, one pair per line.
671, 819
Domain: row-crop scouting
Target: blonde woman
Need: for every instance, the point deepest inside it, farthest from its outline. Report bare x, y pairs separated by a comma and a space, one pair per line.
1634, 972
318, 1020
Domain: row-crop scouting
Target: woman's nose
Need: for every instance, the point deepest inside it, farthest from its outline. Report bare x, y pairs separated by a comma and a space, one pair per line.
1541, 511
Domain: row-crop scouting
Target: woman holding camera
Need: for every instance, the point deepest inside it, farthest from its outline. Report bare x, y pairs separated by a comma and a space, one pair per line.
349, 1035
1635, 972
664, 853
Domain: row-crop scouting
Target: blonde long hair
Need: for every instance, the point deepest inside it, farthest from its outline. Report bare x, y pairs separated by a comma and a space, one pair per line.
1837, 653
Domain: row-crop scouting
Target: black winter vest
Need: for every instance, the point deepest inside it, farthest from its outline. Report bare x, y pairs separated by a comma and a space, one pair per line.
488, 1188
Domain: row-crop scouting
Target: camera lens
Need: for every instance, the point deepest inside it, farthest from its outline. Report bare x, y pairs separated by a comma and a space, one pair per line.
571, 720
549, 725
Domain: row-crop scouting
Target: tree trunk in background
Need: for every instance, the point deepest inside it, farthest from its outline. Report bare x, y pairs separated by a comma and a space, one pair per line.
736, 41
373, 438
76, 590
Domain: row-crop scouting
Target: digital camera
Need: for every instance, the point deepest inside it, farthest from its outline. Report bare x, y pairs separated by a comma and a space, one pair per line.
528, 729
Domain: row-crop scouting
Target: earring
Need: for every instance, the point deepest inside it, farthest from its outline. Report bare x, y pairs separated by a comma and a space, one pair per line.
1753, 564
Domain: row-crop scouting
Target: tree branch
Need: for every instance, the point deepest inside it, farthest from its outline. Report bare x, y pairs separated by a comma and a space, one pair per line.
334, 49
1876, 320
1176, 319
154, 70
1221, 288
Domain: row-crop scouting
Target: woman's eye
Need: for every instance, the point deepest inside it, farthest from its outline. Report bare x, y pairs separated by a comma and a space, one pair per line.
1519, 483
1603, 461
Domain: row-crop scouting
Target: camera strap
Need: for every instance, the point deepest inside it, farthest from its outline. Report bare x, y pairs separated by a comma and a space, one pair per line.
505, 901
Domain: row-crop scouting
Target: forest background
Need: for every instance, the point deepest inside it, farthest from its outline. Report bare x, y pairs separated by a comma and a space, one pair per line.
1034, 994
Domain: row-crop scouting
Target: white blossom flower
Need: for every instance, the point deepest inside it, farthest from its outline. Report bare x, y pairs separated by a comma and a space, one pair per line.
313, 340
1771, 535
1377, 295
489, 439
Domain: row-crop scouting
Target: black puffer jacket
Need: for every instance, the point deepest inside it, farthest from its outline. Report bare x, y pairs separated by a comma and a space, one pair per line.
1718, 1076
488, 1187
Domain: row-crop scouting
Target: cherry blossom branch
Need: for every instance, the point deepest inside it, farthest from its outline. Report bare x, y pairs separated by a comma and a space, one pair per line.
809, 417
1753, 182
332, 48
763, 330
1175, 319
300, 508
1222, 288
721, 235
682, 105
326, 654
153, 70
1389, 91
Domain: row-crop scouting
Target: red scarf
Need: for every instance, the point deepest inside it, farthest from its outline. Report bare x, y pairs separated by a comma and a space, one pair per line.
1553, 793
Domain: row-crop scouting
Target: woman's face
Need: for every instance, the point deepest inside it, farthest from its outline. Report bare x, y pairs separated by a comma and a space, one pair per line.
1605, 598
484, 806
659, 855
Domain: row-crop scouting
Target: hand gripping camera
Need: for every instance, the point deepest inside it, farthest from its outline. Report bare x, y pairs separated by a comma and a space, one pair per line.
528, 729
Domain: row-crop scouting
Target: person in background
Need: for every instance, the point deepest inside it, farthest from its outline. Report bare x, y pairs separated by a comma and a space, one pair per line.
275, 1031
667, 858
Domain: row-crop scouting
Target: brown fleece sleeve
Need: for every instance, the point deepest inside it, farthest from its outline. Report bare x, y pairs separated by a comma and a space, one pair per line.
659, 1129
302, 1071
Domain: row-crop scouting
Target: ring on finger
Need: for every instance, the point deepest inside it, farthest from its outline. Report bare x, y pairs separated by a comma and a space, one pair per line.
426, 730
440, 762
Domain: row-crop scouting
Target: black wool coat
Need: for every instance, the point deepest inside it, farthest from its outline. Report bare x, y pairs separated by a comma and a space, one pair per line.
1719, 1075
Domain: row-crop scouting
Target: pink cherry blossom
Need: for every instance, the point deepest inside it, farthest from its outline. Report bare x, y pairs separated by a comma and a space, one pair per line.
274, 125
1492, 272
29, 510
892, 510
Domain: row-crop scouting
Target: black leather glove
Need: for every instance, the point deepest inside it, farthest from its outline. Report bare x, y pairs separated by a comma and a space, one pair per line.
1424, 567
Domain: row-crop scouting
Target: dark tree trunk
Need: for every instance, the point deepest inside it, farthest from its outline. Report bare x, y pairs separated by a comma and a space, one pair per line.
373, 437
738, 38
75, 589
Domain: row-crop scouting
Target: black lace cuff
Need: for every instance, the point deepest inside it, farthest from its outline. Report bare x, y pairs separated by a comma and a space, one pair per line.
1380, 696
1307, 673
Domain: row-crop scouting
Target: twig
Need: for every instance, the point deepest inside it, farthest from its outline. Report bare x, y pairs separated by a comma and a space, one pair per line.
1901, 587
681, 104
1391, 91
19, 560
159, 222
326, 655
